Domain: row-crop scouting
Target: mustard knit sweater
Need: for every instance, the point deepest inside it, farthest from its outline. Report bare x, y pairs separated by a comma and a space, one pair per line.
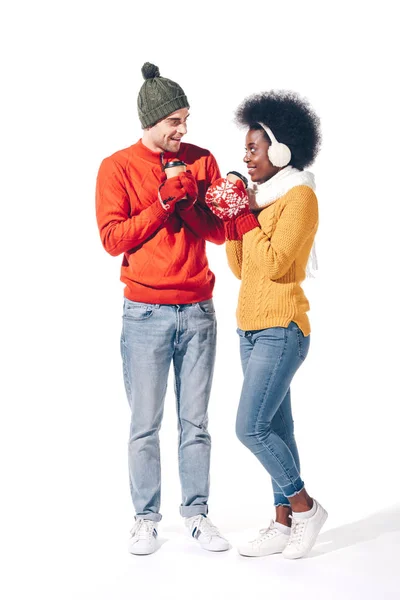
271, 262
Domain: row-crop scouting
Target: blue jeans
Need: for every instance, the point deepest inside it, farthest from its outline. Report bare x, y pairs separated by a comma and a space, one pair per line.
270, 358
153, 337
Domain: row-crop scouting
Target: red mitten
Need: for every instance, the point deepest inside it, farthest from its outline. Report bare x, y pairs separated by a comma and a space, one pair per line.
240, 184
190, 185
170, 192
227, 200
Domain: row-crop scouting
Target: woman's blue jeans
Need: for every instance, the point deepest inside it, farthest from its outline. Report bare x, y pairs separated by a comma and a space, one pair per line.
270, 358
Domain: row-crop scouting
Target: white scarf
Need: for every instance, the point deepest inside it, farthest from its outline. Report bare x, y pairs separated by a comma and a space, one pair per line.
264, 194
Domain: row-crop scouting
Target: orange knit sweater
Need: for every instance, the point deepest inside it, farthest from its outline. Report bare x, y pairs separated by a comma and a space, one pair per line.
271, 263
164, 254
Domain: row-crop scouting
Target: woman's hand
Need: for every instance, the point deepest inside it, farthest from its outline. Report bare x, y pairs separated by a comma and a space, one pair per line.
227, 200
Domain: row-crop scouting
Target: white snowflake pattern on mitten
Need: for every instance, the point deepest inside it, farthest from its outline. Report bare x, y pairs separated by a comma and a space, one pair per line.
226, 199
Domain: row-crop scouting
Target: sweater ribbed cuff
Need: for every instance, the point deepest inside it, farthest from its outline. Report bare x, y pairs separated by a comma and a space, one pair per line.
230, 230
160, 210
245, 223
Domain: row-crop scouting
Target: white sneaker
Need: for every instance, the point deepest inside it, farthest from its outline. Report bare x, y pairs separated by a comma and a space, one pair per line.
304, 533
270, 541
143, 537
208, 536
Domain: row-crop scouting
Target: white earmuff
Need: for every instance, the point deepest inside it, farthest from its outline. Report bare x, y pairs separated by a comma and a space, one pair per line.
279, 154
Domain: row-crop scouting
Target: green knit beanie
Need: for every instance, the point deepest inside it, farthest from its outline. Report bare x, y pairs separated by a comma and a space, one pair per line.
158, 97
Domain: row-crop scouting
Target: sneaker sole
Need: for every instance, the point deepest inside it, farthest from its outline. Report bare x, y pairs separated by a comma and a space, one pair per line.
143, 552
260, 555
214, 549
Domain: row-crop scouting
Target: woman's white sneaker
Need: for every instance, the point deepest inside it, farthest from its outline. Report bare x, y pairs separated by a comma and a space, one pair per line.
304, 533
270, 541
208, 536
143, 537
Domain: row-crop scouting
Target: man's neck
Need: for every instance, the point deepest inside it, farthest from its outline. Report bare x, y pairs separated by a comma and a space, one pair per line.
148, 142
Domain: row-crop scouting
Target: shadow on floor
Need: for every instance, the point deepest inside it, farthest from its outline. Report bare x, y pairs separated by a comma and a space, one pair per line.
369, 528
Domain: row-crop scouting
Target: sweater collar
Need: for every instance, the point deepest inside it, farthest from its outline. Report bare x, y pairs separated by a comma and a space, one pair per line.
157, 158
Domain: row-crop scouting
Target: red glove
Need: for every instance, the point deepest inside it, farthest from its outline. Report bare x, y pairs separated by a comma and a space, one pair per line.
227, 200
190, 185
170, 192
243, 221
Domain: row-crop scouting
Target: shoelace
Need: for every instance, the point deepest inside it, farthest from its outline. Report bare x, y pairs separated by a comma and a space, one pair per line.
297, 531
205, 526
142, 529
265, 534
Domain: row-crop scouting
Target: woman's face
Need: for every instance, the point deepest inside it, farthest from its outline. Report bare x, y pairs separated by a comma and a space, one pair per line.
256, 158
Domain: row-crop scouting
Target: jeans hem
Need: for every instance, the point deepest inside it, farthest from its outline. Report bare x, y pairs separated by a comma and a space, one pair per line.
193, 511
295, 486
149, 517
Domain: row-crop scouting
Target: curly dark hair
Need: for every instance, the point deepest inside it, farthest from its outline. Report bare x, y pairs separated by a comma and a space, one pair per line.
291, 119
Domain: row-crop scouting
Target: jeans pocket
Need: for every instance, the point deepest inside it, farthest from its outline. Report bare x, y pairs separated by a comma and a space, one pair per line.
137, 311
206, 307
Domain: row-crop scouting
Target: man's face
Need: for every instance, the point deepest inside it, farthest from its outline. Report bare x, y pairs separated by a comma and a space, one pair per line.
166, 135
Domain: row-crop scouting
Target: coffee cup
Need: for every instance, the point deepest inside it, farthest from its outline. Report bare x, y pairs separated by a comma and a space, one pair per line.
234, 176
173, 167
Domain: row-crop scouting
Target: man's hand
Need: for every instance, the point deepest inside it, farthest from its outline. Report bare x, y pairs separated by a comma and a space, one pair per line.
190, 185
170, 192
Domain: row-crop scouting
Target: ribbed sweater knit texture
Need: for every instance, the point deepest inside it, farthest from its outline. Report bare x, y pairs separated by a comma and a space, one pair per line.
271, 262
164, 258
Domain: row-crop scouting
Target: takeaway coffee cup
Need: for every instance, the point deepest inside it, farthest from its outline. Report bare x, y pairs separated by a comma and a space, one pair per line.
174, 167
234, 176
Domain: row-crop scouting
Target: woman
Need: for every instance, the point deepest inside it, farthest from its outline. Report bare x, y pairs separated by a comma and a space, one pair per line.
270, 233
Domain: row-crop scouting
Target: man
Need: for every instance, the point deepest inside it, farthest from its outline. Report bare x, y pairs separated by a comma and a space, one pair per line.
160, 226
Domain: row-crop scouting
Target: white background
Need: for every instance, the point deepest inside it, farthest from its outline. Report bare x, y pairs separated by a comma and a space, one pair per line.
70, 77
